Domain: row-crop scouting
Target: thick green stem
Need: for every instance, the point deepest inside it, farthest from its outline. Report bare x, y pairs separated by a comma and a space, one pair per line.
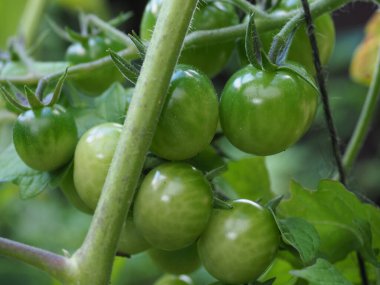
57, 266
95, 256
365, 119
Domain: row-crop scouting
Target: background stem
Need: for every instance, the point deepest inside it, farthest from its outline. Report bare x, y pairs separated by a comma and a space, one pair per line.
365, 119
56, 265
98, 250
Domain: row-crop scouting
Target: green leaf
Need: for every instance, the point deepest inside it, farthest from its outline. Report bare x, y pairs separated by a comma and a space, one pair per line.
247, 179
321, 273
279, 270
343, 222
31, 182
350, 269
86, 118
301, 72
302, 236
113, 104
127, 69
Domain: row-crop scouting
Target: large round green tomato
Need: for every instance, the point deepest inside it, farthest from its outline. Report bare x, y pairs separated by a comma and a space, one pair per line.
182, 261
209, 15
239, 244
92, 159
45, 138
265, 112
172, 206
300, 50
189, 117
174, 280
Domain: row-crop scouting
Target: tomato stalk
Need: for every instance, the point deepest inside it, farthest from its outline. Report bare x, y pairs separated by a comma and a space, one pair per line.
263, 24
95, 256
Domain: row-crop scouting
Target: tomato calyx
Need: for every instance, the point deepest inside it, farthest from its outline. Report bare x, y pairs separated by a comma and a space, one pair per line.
275, 61
33, 100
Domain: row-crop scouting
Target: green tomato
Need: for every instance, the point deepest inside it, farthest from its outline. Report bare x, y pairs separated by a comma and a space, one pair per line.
92, 159
131, 241
182, 261
45, 138
95, 82
68, 188
174, 280
300, 50
173, 206
239, 244
265, 112
210, 58
189, 117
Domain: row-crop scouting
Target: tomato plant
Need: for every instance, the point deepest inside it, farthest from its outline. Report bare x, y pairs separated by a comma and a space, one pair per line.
211, 59
239, 244
190, 149
189, 118
264, 112
172, 206
40, 134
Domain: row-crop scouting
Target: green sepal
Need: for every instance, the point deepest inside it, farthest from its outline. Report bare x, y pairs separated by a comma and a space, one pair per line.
58, 89
221, 204
215, 172
267, 64
32, 98
19, 96
272, 204
282, 55
301, 72
253, 44
266, 282
13, 101
141, 48
126, 68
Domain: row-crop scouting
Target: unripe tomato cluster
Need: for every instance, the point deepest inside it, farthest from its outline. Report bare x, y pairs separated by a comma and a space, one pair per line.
261, 112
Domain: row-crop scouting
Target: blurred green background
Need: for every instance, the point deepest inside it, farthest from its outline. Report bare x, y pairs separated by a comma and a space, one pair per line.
50, 222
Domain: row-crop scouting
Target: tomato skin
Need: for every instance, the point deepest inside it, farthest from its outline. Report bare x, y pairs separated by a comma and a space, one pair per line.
211, 15
45, 138
189, 117
239, 244
264, 112
182, 261
92, 159
172, 206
